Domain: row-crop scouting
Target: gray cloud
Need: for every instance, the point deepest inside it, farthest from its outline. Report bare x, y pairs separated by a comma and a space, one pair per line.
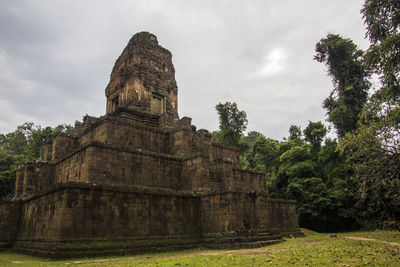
56, 56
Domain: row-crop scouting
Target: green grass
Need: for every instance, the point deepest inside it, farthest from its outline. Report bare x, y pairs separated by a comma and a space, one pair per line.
378, 248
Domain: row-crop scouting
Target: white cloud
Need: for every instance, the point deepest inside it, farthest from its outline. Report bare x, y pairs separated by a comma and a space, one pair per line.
273, 63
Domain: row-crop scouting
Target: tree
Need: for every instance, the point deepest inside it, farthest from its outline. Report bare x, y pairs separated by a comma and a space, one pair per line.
266, 155
350, 79
251, 138
247, 156
294, 163
383, 29
314, 134
232, 124
295, 134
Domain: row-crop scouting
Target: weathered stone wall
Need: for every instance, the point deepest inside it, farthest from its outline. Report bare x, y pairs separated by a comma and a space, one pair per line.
19, 181
247, 180
195, 173
62, 145
225, 152
235, 211
10, 212
78, 219
35, 176
41, 217
181, 141
132, 135
282, 216
100, 163
83, 219
229, 211
127, 134
126, 213
75, 167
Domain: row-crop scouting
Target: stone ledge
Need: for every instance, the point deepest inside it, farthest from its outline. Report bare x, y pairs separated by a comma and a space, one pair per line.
249, 171
135, 151
148, 190
111, 188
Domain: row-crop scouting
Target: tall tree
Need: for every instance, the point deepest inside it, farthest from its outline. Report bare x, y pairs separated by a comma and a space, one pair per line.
350, 79
373, 149
232, 124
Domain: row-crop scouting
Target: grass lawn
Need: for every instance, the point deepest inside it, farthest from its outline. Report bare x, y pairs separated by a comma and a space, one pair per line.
374, 248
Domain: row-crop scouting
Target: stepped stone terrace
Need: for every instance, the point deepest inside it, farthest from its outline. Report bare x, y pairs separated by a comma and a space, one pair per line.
140, 178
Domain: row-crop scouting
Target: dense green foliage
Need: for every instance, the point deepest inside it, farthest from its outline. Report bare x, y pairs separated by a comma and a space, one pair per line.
314, 174
354, 181
25, 143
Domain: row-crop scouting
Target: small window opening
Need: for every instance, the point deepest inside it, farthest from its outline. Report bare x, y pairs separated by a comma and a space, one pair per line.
115, 103
157, 104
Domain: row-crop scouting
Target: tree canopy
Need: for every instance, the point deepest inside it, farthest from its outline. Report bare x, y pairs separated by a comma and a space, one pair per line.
350, 79
232, 124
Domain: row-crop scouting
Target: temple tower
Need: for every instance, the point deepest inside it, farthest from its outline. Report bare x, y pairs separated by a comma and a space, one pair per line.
143, 78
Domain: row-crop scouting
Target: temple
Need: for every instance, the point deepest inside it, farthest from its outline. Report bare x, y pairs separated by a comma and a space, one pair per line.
140, 178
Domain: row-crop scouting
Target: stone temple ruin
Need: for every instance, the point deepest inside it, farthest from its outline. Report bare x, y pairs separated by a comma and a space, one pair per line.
140, 178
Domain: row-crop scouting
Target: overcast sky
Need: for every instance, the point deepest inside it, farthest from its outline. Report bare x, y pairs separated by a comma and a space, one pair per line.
56, 56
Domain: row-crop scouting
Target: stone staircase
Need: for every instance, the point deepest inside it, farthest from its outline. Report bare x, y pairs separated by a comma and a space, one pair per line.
246, 238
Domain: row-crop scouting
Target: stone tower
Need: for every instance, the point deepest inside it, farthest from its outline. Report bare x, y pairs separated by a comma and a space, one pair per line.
143, 78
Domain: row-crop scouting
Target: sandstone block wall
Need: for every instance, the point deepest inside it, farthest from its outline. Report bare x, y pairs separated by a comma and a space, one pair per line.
225, 152
113, 166
246, 180
62, 145
282, 216
195, 173
78, 219
236, 211
41, 217
34, 176
230, 211
117, 213
10, 212
128, 135
99, 163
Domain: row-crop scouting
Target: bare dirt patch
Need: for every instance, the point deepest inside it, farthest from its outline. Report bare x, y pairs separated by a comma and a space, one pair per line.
311, 241
226, 252
371, 239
